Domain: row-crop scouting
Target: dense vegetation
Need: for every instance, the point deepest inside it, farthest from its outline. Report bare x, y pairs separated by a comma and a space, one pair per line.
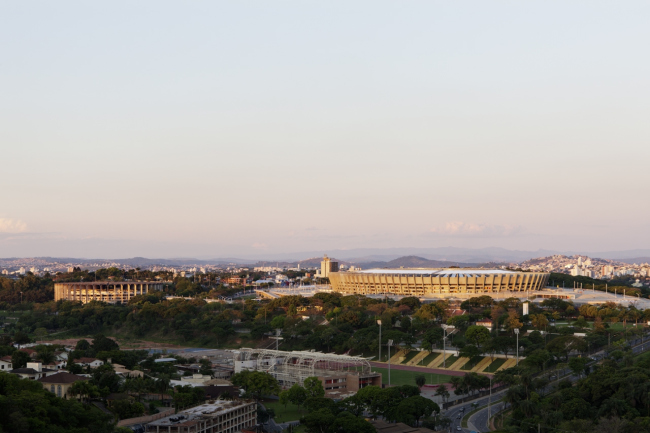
332, 322
324, 415
25, 407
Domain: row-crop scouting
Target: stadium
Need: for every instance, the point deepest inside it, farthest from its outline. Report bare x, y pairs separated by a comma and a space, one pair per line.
436, 282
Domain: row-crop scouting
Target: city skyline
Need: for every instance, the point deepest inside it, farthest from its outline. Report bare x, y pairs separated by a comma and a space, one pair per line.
220, 130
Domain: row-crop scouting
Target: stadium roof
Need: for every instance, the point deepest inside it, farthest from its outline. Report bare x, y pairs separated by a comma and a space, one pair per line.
439, 272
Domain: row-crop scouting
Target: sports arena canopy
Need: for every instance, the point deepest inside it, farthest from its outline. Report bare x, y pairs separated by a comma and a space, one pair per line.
439, 272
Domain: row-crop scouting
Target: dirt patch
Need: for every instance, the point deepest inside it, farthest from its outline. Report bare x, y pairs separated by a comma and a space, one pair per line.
124, 345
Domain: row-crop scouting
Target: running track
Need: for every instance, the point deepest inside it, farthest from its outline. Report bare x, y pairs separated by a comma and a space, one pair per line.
418, 369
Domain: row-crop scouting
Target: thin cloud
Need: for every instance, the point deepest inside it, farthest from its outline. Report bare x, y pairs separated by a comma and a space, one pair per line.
259, 246
464, 229
8, 225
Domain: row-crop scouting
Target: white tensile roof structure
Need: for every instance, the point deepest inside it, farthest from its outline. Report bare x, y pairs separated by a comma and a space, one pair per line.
295, 366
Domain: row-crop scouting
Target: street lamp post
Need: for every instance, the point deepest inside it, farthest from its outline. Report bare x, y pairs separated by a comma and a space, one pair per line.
517, 334
390, 343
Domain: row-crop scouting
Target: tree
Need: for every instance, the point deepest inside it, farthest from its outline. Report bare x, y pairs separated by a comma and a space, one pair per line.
256, 383
477, 335
206, 367
126, 409
539, 321
413, 408
433, 336
420, 380
20, 359
345, 422
538, 358
162, 384
442, 392
45, 354
577, 365
83, 388
565, 344
314, 387
503, 344
284, 398
318, 421
102, 343
40, 333
470, 351
512, 322
28, 407
368, 396
297, 395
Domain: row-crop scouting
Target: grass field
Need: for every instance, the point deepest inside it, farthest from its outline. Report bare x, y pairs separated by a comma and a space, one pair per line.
412, 354
494, 365
291, 413
401, 377
618, 326
449, 361
429, 358
472, 363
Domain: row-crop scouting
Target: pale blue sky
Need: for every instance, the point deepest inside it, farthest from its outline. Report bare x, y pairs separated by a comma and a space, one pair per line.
162, 128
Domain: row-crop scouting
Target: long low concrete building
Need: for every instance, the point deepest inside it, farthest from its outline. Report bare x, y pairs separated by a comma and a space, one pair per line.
113, 292
424, 282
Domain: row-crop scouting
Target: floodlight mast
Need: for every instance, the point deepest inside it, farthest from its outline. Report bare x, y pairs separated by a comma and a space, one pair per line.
390, 343
277, 338
517, 334
444, 342
379, 323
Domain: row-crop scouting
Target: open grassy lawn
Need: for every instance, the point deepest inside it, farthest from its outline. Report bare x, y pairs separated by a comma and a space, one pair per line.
472, 363
401, 377
449, 361
429, 358
412, 354
494, 365
291, 413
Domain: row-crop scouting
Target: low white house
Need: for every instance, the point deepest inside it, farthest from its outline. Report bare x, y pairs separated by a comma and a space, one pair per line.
92, 362
5, 363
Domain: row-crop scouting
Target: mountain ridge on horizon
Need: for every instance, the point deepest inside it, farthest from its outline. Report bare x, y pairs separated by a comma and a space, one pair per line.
448, 255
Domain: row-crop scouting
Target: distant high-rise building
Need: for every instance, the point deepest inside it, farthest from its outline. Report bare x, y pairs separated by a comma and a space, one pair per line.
327, 266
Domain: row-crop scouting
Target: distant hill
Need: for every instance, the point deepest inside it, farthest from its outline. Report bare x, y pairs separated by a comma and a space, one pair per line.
415, 262
637, 260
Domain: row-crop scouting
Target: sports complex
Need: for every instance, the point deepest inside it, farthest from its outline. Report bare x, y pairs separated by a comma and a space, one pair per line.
436, 282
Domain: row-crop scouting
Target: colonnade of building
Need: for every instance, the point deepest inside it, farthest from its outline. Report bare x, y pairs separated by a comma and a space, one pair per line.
428, 284
111, 292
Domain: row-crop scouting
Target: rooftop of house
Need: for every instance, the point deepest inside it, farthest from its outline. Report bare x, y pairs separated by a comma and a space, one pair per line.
62, 377
29, 370
85, 360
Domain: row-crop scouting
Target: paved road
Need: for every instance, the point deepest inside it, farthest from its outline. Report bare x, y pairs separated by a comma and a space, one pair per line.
456, 413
